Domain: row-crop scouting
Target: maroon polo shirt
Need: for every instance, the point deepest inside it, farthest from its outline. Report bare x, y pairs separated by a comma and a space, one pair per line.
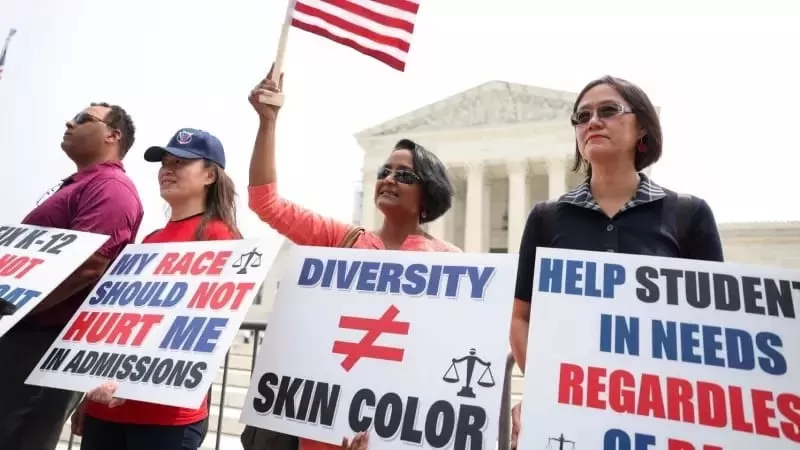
99, 199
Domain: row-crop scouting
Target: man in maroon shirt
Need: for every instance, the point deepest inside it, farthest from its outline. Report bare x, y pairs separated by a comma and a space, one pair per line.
98, 198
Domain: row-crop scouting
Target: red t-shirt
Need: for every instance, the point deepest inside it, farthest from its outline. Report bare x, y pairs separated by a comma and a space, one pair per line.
141, 413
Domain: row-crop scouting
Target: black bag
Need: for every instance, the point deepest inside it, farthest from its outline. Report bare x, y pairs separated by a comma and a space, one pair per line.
259, 439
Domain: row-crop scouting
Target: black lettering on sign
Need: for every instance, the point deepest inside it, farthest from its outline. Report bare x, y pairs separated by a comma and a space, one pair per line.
443, 425
123, 367
317, 401
54, 359
9, 236
30, 238
58, 242
722, 291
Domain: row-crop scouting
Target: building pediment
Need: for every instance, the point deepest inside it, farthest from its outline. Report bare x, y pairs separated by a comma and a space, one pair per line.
494, 103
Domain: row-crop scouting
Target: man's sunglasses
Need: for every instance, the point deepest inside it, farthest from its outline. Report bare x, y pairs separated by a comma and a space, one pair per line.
84, 117
401, 176
606, 111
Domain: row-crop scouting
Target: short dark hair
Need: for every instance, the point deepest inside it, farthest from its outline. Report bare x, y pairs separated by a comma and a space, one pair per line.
645, 114
437, 189
119, 119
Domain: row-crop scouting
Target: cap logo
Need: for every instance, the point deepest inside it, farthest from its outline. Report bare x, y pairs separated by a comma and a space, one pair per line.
184, 137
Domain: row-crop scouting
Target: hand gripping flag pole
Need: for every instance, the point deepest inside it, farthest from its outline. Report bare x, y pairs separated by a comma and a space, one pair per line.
276, 98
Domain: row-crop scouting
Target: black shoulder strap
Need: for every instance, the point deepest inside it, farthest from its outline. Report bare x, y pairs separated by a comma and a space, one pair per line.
543, 221
685, 204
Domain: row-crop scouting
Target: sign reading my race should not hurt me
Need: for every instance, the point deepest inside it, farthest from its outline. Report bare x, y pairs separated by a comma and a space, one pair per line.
411, 346
34, 261
634, 352
159, 322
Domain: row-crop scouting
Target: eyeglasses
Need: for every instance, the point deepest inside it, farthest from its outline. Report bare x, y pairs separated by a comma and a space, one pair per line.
401, 176
84, 117
605, 111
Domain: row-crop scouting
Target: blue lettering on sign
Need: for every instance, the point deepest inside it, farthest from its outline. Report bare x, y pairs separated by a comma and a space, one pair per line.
196, 334
132, 263
716, 346
616, 439
575, 277
395, 278
18, 296
160, 294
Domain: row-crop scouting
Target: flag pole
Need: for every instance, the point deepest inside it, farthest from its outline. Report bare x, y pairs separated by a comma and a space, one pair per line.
11, 33
276, 98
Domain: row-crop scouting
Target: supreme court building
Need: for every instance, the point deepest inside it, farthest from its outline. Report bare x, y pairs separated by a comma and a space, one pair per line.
506, 146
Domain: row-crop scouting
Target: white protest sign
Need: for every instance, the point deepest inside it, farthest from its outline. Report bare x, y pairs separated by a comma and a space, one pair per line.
159, 322
34, 261
635, 352
411, 346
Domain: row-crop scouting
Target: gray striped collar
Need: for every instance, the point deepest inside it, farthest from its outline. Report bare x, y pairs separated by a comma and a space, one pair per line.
647, 192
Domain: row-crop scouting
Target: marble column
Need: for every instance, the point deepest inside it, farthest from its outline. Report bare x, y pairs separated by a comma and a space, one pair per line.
517, 202
556, 178
368, 211
438, 228
473, 216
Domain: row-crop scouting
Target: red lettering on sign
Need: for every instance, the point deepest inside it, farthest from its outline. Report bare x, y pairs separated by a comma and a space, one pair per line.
756, 411
192, 263
17, 266
111, 327
677, 444
220, 295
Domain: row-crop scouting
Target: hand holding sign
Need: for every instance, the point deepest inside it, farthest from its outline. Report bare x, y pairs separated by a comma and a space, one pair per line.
267, 96
105, 394
360, 442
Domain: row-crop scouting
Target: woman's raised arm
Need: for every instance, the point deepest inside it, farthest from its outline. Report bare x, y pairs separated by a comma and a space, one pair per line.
300, 225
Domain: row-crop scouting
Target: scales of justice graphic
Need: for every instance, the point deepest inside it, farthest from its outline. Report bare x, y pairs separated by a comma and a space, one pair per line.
486, 379
561, 441
246, 260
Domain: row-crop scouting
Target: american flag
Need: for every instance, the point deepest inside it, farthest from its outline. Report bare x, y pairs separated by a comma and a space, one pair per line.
381, 29
11, 33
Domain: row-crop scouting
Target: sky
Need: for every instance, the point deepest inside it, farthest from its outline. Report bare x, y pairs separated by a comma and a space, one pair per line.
724, 74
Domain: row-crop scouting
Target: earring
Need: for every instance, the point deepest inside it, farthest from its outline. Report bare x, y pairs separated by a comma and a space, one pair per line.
423, 215
641, 147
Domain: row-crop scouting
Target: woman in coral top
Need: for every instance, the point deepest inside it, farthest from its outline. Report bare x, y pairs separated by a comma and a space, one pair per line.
413, 188
201, 198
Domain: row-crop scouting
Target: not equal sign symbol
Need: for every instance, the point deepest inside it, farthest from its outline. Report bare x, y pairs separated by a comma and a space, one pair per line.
374, 328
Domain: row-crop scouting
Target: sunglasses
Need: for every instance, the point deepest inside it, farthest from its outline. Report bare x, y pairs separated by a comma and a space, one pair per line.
606, 111
401, 176
84, 117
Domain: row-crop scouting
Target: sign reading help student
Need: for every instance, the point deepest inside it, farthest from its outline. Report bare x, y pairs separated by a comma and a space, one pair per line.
634, 352
411, 346
33, 262
159, 322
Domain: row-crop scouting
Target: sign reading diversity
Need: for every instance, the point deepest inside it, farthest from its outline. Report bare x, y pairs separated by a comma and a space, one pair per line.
33, 262
159, 322
636, 353
411, 346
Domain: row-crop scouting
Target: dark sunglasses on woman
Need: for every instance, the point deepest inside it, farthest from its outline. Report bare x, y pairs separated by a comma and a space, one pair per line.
605, 111
401, 175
